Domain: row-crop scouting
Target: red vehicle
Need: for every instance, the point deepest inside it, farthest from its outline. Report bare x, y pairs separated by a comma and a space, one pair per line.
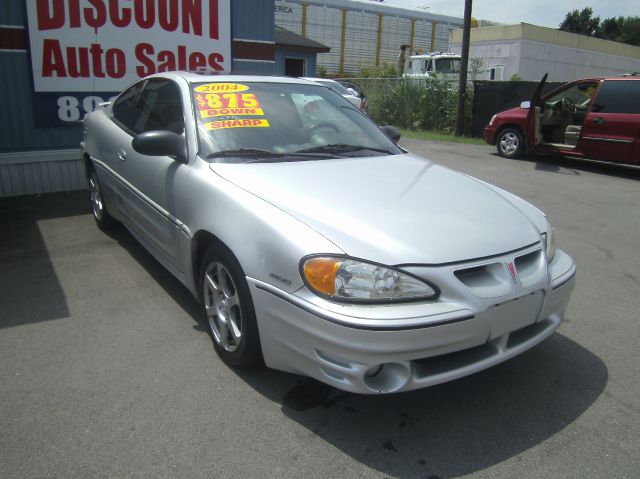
596, 118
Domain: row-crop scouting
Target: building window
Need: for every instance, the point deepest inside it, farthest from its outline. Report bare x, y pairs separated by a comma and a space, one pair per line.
294, 67
495, 72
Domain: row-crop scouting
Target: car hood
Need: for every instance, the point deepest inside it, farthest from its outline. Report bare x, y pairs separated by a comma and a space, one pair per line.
393, 209
516, 112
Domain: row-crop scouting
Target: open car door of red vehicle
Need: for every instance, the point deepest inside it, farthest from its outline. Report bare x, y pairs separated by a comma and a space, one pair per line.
534, 136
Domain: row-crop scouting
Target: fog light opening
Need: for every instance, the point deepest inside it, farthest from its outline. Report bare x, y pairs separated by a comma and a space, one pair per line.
387, 377
373, 370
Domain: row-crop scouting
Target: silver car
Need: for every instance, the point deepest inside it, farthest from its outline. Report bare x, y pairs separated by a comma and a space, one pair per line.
348, 93
316, 244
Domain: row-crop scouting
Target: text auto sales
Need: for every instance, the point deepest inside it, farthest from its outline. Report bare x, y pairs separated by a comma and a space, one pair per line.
184, 16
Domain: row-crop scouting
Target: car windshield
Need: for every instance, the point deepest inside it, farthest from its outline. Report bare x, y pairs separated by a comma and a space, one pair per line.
448, 65
266, 121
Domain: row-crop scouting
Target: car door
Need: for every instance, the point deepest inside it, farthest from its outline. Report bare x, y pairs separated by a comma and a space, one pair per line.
113, 135
611, 129
151, 185
534, 136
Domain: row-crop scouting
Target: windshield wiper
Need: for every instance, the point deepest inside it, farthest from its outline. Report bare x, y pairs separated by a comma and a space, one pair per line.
342, 148
256, 155
252, 152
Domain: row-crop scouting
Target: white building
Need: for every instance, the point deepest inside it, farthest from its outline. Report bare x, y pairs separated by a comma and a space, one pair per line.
531, 51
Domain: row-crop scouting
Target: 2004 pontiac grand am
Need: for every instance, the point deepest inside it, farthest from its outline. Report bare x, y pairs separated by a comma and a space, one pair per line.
316, 244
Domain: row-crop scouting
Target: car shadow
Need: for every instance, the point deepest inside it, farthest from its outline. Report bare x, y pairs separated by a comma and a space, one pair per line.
451, 429
574, 166
169, 283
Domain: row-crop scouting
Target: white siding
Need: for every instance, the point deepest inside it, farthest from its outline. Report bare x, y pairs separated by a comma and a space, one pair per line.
532, 59
37, 172
361, 38
503, 52
568, 64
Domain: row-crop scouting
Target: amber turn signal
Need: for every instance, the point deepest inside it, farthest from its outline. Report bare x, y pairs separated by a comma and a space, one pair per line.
321, 274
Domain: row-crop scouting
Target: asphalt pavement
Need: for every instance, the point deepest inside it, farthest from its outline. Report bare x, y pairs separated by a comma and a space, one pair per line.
106, 369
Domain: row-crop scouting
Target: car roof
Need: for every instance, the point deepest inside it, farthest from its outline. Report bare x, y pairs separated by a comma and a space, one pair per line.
435, 55
192, 78
599, 79
318, 79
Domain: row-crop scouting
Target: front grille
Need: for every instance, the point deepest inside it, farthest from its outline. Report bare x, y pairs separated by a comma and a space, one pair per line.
530, 268
449, 363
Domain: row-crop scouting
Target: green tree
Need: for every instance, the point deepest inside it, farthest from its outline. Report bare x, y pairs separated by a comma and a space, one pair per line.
321, 71
581, 22
629, 30
610, 29
620, 29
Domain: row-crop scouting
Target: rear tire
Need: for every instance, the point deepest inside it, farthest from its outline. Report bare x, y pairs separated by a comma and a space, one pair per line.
103, 219
228, 308
510, 143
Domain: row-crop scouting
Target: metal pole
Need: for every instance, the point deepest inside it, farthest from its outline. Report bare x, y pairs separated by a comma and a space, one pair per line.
462, 86
343, 40
379, 39
413, 35
432, 48
304, 20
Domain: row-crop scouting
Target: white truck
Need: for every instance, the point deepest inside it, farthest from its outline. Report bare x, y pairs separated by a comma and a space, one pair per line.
429, 64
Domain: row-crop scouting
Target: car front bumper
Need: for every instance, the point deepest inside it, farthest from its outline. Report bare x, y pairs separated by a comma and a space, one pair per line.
416, 344
490, 135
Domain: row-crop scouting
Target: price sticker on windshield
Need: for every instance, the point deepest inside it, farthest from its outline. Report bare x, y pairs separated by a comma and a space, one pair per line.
220, 87
247, 123
213, 105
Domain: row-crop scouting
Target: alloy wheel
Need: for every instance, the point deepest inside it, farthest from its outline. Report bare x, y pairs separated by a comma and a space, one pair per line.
509, 143
96, 196
222, 305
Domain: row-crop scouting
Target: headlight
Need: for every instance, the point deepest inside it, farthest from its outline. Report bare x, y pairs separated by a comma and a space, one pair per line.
549, 239
350, 280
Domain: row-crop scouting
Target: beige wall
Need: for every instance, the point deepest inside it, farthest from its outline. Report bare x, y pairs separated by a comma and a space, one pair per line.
526, 31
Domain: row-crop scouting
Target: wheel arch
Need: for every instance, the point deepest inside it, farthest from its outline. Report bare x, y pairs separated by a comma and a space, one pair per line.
512, 125
201, 242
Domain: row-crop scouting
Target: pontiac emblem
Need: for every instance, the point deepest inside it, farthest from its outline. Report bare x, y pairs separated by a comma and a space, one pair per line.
512, 269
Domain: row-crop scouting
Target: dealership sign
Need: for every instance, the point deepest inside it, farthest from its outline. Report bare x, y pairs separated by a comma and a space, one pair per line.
100, 46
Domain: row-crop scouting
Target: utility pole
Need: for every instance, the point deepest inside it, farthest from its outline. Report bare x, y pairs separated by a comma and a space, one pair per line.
462, 86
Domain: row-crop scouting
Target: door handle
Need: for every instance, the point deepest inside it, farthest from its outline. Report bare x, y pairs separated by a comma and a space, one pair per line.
122, 155
598, 121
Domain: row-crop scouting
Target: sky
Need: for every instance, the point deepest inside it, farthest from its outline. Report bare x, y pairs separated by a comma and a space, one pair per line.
547, 13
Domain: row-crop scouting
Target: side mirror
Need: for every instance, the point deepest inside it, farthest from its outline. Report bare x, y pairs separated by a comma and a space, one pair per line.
392, 132
353, 92
525, 104
161, 143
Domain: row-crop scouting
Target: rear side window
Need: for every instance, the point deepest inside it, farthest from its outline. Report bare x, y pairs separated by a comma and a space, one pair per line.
125, 107
618, 96
156, 107
159, 108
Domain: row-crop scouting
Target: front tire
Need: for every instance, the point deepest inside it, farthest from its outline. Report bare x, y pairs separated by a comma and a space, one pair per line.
510, 143
228, 308
103, 219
